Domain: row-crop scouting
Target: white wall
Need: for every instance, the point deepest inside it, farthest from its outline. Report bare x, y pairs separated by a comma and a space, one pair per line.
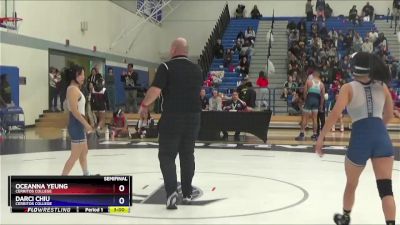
33, 64
60, 20
297, 7
193, 20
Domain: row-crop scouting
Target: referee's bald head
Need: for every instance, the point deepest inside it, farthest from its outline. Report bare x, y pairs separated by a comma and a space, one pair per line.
179, 47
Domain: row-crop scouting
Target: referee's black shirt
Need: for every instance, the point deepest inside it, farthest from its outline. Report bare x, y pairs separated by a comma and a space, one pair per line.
180, 81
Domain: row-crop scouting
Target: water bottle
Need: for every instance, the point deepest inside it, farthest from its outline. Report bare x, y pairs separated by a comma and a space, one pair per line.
107, 137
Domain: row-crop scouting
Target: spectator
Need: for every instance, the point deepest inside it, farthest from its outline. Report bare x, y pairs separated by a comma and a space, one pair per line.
228, 57
328, 11
129, 79
219, 50
54, 81
380, 45
297, 103
395, 10
302, 27
90, 83
234, 105
119, 126
215, 102
373, 35
367, 46
323, 32
320, 8
326, 73
250, 35
247, 94
5, 92
110, 86
291, 26
309, 10
203, 100
240, 36
255, 13
357, 42
240, 12
99, 101
314, 29
334, 36
353, 14
263, 84
244, 67
145, 128
368, 12
237, 47
293, 37
289, 87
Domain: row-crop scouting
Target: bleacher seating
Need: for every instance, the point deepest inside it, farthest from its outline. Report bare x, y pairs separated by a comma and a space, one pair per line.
231, 79
344, 25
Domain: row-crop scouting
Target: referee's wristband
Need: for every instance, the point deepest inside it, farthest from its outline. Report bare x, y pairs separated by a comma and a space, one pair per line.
143, 105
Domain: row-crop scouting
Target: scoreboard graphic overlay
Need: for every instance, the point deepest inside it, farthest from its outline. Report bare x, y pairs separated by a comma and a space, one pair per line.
70, 194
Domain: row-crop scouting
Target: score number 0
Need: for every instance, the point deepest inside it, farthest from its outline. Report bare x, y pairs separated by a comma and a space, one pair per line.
121, 200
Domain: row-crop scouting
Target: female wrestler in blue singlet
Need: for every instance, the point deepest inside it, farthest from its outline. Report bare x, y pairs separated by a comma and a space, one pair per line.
77, 126
370, 107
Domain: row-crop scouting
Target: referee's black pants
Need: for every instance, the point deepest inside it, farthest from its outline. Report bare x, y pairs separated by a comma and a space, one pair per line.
178, 132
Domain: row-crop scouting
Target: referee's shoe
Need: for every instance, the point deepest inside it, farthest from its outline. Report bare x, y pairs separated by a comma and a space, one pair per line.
171, 201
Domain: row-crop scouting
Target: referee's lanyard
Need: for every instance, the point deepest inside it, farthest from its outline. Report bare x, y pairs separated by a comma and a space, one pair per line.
234, 105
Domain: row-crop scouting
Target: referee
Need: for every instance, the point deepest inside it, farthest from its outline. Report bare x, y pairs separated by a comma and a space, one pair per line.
179, 82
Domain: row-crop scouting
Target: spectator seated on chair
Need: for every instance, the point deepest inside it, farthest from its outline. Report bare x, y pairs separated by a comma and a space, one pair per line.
237, 47
250, 35
240, 12
296, 103
234, 105
240, 37
145, 128
203, 100
219, 50
244, 67
291, 26
373, 35
289, 87
367, 46
215, 102
255, 13
228, 57
119, 126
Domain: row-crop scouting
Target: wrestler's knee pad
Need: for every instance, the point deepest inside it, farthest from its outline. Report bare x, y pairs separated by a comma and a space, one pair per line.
384, 187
